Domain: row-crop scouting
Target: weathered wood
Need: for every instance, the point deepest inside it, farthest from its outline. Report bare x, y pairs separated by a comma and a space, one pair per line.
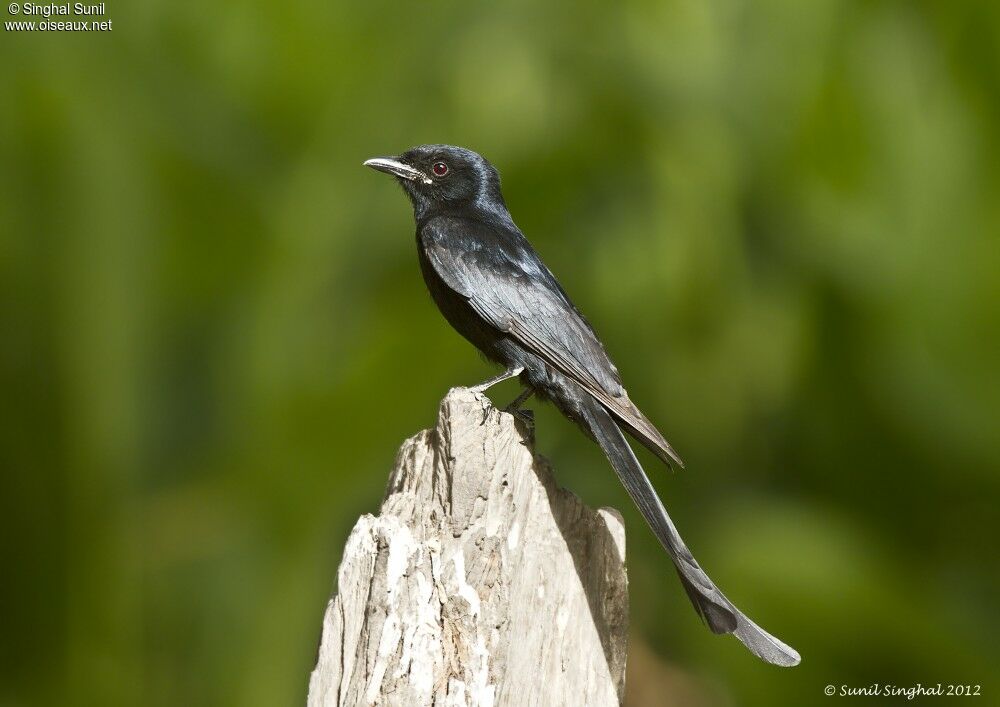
481, 582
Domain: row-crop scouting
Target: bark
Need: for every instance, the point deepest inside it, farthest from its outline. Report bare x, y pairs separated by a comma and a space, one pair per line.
481, 582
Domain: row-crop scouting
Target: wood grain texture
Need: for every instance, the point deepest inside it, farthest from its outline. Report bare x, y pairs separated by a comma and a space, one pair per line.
480, 582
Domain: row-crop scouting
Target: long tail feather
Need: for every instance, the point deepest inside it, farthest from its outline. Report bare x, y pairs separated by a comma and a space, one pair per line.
718, 612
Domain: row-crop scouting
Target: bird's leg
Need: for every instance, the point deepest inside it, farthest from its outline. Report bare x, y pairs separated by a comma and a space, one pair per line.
515, 404
509, 373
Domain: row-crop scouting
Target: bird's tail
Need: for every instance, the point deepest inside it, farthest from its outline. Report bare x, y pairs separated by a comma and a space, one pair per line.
718, 612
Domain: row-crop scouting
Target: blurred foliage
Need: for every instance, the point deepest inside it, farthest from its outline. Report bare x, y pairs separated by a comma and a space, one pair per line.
781, 216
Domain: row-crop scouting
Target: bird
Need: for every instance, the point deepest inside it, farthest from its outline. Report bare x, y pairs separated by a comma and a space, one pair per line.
493, 288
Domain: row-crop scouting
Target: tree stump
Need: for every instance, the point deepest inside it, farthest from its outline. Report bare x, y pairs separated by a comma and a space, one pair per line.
481, 582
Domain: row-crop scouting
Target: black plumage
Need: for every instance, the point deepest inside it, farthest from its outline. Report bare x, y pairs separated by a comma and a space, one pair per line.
493, 288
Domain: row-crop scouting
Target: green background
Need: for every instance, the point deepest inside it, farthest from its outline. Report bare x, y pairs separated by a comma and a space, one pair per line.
781, 216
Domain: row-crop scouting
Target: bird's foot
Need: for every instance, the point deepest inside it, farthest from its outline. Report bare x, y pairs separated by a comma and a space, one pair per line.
525, 416
527, 419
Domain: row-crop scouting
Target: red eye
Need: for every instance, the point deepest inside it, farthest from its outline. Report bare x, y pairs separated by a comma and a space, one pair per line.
440, 169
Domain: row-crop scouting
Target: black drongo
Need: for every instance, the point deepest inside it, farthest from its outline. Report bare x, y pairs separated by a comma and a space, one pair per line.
493, 288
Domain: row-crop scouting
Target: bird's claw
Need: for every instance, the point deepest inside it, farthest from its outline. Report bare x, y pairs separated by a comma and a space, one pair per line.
526, 418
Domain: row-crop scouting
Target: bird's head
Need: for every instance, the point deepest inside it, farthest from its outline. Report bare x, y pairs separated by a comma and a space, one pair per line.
444, 176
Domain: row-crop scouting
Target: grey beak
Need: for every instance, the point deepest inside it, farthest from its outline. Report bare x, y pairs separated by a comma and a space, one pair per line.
391, 165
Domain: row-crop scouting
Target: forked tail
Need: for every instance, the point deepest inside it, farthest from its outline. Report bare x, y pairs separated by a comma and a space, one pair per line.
718, 612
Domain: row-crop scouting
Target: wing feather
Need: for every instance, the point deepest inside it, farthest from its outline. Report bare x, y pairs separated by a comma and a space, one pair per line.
507, 284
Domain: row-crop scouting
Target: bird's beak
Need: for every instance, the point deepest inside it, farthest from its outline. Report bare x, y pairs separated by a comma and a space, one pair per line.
390, 165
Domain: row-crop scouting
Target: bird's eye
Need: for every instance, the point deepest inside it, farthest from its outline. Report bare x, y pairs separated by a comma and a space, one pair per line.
440, 169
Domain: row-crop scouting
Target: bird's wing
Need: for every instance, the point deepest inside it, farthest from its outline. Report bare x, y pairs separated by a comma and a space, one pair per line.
507, 284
